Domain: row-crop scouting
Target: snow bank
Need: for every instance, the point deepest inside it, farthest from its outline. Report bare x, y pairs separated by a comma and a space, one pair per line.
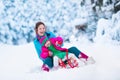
22, 63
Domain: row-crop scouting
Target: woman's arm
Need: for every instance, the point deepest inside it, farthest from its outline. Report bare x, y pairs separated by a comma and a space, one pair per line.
50, 35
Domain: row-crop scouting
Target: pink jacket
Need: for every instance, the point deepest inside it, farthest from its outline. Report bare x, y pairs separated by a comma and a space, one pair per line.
45, 51
53, 42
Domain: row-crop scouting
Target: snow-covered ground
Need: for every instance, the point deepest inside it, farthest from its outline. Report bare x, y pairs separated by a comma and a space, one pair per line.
22, 63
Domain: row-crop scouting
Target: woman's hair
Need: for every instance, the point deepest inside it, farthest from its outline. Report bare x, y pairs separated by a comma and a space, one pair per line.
37, 25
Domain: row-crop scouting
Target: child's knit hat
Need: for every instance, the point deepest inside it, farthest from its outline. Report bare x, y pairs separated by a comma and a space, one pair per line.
59, 39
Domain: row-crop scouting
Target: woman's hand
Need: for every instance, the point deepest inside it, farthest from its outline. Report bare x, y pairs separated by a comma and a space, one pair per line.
50, 53
47, 44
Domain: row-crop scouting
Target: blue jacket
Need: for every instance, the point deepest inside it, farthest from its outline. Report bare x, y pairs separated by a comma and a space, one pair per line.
37, 44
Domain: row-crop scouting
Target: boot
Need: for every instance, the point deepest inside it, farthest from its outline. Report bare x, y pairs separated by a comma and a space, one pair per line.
83, 56
90, 60
86, 59
45, 68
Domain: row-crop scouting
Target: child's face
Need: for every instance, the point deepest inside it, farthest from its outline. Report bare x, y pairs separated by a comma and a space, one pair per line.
47, 44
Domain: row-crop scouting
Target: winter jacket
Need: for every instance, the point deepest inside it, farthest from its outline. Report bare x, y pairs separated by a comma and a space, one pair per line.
56, 50
58, 53
53, 41
38, 45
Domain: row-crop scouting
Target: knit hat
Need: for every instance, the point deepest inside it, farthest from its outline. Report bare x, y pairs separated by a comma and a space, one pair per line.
59, 39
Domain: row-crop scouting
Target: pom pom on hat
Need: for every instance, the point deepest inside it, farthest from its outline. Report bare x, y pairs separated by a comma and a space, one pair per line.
59, 39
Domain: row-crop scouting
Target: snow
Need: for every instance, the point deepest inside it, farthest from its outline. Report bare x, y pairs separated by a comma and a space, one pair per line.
22, 63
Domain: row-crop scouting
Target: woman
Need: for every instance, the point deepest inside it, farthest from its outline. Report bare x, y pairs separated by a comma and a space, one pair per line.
40, 30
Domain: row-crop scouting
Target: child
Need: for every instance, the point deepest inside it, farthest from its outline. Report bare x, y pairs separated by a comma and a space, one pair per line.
52, 47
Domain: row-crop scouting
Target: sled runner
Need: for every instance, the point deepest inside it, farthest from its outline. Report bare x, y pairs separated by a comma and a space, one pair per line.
70, 62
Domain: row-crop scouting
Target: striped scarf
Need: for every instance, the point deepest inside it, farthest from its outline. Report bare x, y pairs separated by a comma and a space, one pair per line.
42, 39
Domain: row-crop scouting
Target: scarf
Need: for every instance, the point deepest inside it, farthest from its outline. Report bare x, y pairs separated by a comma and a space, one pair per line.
42, 39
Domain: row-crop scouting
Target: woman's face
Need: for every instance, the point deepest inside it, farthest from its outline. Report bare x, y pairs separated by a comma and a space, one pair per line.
41, 30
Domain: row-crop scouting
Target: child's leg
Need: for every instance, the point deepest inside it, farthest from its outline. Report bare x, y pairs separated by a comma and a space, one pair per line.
56, 61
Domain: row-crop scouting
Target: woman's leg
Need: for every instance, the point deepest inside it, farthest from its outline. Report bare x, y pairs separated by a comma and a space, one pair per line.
77, 52
81, 55
49, 61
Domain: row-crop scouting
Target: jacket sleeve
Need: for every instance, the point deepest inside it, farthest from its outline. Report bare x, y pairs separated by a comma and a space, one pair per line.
62, 49
53, 41
51, 35
45, 52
